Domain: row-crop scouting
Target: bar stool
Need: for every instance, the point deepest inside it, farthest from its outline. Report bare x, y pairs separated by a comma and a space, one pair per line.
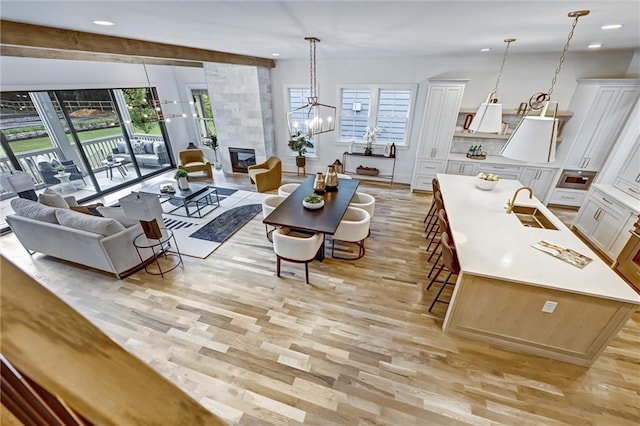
443, 226
450, 259
435, 185
437, 199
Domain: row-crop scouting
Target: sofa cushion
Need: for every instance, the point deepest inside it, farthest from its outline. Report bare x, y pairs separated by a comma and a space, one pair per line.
98, 225
34, 210
148, 147
117, 213
122, 147
138, 147
52, 199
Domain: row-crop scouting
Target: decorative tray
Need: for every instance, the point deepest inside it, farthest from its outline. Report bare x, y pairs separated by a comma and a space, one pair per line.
368, 171
482, 156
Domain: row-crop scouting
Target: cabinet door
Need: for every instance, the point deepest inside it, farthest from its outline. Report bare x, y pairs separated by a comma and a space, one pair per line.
587, 218
461, 168
622, 236
629, 178
538, 179
605, 118
606, 230
441, 112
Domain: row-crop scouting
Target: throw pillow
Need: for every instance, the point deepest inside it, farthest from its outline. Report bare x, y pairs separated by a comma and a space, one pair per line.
117, 213
34, 210
52, 199
138, 147
148, 147
97, 225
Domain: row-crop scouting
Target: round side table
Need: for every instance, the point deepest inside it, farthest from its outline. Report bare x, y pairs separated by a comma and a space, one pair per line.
161, 250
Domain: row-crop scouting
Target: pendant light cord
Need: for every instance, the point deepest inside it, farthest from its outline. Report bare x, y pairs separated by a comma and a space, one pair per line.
562, 56
504, 59
313, 96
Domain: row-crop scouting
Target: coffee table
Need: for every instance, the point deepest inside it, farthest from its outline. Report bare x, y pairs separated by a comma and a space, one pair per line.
196, 200
110, 165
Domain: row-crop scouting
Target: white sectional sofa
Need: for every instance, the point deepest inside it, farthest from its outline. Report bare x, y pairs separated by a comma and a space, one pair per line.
98, 242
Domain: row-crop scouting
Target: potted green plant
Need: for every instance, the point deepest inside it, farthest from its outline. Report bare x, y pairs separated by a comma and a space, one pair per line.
299, 142
181, 177
59, 168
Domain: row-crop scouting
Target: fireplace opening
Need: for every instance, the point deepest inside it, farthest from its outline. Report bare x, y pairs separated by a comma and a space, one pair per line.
241, 159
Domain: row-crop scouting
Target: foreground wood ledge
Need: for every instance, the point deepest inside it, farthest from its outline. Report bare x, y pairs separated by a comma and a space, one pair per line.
68, 356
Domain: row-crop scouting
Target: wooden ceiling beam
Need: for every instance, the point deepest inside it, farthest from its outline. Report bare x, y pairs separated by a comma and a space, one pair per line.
36, 36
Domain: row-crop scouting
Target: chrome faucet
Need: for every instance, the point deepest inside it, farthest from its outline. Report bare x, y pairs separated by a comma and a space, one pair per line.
511, 202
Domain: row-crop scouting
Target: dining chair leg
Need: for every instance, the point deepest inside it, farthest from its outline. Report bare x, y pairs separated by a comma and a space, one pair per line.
435, 251
430, 213
306, 272
278, 266
446, 281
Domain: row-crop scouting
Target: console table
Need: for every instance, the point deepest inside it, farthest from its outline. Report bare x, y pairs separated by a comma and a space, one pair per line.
361, 156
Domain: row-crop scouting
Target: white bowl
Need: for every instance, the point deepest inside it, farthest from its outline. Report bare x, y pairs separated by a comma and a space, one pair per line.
313, 206
486, 185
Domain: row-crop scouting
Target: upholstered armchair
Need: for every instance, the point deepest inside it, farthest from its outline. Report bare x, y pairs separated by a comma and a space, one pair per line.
193, 160
294, 247
266, 176
353, 228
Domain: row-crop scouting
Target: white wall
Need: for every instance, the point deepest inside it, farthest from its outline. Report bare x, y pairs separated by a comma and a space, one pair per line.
523, 75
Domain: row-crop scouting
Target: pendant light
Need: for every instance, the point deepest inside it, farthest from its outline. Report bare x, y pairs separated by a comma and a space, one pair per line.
314, 117
488, 119
534, 139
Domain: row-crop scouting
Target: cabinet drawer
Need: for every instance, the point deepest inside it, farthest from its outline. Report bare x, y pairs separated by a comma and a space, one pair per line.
426, 167
632, 189
611, 203
423, 183
504, 171
565, 197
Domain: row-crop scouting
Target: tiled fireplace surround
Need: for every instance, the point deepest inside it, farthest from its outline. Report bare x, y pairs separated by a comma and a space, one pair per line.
241, 102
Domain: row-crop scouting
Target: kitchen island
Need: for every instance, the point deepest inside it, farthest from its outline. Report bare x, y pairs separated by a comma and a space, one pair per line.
505, 285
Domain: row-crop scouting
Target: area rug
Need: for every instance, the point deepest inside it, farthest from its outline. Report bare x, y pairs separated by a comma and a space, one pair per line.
225, 225
217, 226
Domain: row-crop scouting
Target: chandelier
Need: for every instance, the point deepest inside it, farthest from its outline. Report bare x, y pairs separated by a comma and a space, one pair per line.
534, 139
488, 119
314, 117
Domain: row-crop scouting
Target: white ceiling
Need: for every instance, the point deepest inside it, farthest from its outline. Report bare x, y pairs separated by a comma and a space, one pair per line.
347, 29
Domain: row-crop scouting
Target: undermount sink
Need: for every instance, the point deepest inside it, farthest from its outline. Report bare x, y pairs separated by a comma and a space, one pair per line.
532, 217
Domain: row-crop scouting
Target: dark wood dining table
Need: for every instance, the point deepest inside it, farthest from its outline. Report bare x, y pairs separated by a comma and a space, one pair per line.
292, 214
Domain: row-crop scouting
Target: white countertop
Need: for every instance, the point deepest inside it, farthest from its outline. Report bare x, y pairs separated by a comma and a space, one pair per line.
498, 159
492, 243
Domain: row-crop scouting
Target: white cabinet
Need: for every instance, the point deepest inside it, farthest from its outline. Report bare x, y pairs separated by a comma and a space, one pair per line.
461, 168
539, 179
425, 172
440, 114
567, 197
629, 178
601, 108
601, 219
503, 171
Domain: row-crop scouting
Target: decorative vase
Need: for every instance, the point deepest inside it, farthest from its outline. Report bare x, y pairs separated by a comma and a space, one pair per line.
368, 151
318, 184
183, 183
331, 180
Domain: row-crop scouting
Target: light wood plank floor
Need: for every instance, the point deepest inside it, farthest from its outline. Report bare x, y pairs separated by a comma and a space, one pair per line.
355, 347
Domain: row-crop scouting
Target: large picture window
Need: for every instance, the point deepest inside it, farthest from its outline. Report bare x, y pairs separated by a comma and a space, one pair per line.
386, 107
298, 97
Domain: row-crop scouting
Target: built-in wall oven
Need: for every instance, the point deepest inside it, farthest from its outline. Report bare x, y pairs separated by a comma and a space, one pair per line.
628, 263
576, 179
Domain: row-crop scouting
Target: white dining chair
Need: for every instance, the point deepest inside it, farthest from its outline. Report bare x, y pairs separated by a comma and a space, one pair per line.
295, 247
364, 201
269, 204
353, 228
286, 189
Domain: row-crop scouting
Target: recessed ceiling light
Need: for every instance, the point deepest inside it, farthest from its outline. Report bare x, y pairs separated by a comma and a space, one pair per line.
103, 23
486, 49
595, 46
611, 27
276, 54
